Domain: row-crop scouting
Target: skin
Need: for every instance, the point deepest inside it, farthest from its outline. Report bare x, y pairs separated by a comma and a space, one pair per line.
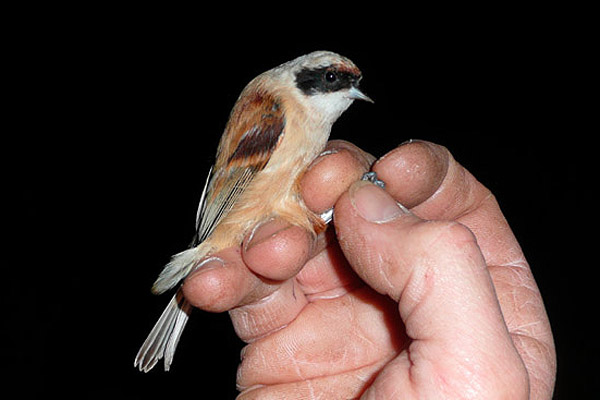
435, 300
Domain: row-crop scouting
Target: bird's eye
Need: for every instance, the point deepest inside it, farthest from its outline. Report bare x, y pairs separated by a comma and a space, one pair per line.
330, 76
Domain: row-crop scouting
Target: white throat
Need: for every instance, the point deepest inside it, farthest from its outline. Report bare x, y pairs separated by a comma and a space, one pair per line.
329, 105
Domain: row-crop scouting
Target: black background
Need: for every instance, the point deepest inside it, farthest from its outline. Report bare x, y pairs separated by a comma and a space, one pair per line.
118, 114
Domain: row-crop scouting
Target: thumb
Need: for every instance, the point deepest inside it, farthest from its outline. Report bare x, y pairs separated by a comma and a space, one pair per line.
370, 226
410, 259
438, 276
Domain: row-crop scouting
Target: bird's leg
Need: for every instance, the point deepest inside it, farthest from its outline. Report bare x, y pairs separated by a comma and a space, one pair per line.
370, 176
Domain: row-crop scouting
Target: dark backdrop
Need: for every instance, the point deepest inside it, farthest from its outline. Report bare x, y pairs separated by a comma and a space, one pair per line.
118, 117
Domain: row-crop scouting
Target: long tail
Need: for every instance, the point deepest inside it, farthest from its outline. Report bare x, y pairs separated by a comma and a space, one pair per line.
177, 269
162, 340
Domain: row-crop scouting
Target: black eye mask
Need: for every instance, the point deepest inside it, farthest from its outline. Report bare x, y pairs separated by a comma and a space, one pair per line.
325, 80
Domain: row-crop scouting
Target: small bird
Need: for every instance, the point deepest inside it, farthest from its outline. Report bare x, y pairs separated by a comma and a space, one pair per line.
279, 124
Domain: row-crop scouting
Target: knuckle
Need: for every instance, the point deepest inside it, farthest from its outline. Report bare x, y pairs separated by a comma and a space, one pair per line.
450, 236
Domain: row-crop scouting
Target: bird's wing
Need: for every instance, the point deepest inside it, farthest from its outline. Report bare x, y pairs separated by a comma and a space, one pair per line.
254, 130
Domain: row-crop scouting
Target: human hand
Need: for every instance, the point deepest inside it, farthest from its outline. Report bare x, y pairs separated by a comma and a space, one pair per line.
437, 302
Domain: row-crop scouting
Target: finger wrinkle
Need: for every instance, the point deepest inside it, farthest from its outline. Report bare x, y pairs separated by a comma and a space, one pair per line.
255, 329
269, 314
345, 385
413, 298
521, 303
335, 292
540, 361
519, 264
382, 268
481, 196
353, 334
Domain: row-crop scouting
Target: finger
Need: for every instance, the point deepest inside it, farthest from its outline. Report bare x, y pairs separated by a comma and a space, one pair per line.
426, 177
280, 251
277, 250
223, 281
258, 319
341, 164
413, 172
257, 306
272, 252
438, 275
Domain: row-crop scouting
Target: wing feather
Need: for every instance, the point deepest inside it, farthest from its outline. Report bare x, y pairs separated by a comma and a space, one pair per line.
255, 128
202, 199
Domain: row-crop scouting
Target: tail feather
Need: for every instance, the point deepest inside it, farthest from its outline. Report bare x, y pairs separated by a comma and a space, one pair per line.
163, 338
180, 320
176, 270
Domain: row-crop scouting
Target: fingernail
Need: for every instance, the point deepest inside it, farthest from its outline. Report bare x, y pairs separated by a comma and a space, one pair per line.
374, 204
206, 265
321, 157
328, 152
263, 231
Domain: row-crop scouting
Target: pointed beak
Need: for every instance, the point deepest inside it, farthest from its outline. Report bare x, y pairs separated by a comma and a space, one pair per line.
355, 93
